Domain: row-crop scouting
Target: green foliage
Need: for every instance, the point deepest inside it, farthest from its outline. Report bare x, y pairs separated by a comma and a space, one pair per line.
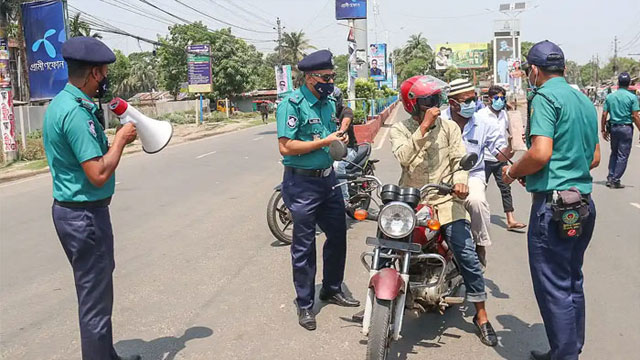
341, 63
365, 88
34, 147
414, 58
524, 48
78, 27
235, 63
451, 74
118, 72
294, 47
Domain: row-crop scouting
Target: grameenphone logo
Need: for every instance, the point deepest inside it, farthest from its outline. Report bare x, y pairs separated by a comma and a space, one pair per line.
48, 46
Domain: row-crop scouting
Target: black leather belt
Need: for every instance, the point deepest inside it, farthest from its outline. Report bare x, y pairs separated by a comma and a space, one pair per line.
83, 204
548, 197
310, 172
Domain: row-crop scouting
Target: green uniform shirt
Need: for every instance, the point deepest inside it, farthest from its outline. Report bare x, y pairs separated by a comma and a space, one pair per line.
72, 135
570, 119
620, 105
304, 117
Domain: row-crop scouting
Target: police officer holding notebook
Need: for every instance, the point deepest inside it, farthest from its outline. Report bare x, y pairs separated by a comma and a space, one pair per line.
562, 135
306, 122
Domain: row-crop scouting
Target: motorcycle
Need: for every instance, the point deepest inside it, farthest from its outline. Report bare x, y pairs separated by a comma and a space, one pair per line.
279, 217
411, 266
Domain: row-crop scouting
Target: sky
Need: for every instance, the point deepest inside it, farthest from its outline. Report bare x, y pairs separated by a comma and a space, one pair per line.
582, 28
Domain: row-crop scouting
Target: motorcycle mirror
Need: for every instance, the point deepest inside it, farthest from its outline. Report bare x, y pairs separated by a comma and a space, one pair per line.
468, 161
337, 150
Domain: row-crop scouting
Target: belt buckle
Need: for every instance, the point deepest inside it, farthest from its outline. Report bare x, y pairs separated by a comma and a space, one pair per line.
326, 172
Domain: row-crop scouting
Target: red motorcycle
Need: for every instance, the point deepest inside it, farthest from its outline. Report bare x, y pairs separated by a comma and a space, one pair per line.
411, 266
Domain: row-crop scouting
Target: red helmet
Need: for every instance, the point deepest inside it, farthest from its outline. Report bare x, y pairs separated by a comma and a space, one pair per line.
421, 87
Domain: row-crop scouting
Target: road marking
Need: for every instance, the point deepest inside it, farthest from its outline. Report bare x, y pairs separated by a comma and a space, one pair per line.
384, 137
258, 138
638, 146
207, 154
635, 205
117, 182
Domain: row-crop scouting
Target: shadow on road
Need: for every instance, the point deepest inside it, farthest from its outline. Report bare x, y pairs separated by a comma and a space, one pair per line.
499, 220
164, 348
271, 132
518, 337
495, 289
319, 304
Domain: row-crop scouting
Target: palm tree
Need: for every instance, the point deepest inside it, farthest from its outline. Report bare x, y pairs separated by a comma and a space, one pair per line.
78, 27
294, 46
417, 46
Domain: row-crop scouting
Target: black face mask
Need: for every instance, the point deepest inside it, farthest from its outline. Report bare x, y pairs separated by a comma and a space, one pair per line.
103, 86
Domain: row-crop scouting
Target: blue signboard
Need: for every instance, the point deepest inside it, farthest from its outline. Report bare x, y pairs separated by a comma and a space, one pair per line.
199, 68
44, 34
351, 9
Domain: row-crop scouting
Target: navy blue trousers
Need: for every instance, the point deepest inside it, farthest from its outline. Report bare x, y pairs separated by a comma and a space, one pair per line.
312, 201
556, 272
621, 140
87, 240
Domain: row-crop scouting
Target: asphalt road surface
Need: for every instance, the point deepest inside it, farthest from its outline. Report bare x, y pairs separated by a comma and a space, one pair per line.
199, 276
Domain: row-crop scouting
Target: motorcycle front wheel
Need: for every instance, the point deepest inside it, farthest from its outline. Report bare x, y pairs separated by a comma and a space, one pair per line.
279, 218
380, 330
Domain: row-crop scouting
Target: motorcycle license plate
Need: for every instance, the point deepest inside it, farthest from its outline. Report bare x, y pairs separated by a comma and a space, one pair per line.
396, 245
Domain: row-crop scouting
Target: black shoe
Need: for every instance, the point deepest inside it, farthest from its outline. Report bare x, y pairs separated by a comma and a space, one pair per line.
307, 319
617, 185
487, 334
608, 184
538, 355
130, 357
339, 299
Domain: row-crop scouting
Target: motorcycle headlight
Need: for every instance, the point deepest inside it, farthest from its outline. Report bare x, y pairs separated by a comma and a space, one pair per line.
396, 220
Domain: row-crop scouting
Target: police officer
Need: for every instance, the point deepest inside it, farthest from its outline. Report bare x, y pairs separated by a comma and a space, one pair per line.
306, 126
624, 109
562, 136
82, 166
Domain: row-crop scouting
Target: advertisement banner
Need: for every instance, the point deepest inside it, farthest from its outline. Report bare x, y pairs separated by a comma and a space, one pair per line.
351, 9
504, 53
5, 71
378, 61
44, 33
199, 68
7, 122
462, 56
283, 79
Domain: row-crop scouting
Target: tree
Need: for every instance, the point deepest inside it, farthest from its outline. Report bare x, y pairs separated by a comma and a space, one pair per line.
118, 72
142, 75
572, 73
622, 64
414, 58
524, 48
235, 64
341, 63
294, 46
78, 27
451, 74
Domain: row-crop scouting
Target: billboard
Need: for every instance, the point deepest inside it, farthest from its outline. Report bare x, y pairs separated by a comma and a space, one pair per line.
462, 56
504, 53
351, 9
378, 61
283, 79
43, 25
7, 121
199, 68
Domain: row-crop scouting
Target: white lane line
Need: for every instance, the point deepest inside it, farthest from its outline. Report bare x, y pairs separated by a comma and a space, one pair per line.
207, 154
384, 138
258, 138
638, 146
635, 205
117, 182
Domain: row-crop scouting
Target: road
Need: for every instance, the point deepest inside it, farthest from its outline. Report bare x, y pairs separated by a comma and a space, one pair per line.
199, 276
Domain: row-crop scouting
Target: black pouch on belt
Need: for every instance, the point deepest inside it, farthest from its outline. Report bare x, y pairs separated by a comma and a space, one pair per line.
569, 209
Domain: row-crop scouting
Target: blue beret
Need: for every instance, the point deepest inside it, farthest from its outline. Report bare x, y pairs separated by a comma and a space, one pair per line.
546, 54
319, 60
87, 49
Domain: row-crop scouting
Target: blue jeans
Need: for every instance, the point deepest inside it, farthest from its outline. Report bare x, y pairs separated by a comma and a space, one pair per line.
556, 273
458, 236
340, 168
621, 139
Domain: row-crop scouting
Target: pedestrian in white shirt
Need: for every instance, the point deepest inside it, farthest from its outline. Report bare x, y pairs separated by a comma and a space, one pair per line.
496, 113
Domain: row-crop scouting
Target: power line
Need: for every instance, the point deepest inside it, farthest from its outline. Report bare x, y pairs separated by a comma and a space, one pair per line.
136, 10
164, 11
218, 20
248, 11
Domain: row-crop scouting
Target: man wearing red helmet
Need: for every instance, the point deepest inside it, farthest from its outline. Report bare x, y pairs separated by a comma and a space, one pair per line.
428, 148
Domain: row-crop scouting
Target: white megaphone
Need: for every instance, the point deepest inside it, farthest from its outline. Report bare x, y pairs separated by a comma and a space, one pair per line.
154, 134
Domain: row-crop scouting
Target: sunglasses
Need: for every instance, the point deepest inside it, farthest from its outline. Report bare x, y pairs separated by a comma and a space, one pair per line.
468, 101
496, 97
325, 77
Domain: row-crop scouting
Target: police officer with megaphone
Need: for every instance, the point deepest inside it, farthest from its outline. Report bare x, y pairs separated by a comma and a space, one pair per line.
82, 166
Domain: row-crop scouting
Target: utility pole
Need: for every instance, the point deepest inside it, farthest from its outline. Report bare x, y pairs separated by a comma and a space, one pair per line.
7, 122
615, 55
279, 41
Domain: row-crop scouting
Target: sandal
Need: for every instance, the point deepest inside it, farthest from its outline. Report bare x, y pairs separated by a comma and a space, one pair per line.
516, 227
487, 334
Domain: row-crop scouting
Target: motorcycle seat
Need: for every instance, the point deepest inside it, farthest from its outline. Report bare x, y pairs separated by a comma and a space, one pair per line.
362, 154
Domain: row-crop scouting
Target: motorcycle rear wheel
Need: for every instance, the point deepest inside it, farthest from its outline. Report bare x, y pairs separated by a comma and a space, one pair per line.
359, 201
279, 218
380, 330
